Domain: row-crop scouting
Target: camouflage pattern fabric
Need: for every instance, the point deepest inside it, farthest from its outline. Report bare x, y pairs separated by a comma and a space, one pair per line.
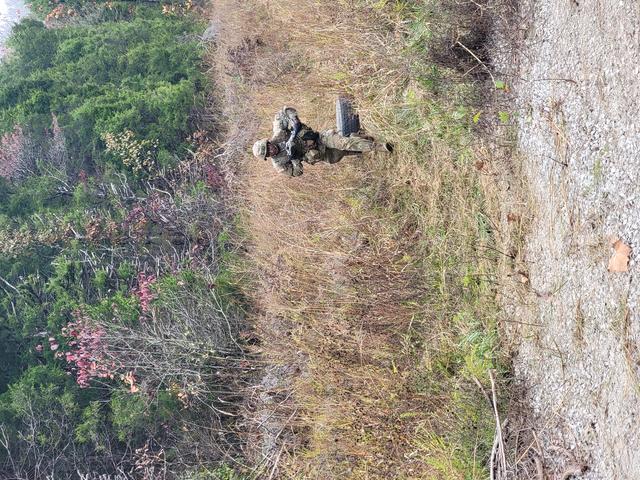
334, 146
309, 146
283, 124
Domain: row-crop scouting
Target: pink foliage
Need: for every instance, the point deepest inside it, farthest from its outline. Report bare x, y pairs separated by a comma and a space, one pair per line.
58, 16
18, 152
143, 292
135, 222
53, 344
135, 215
57, 143
88, 351
12, 146
214, 178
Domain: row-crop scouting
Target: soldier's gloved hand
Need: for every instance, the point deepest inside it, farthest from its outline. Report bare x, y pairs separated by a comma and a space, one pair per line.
289, 147
296, 168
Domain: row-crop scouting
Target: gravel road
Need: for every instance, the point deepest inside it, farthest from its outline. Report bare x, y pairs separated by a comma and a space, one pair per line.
11, 11
575, 81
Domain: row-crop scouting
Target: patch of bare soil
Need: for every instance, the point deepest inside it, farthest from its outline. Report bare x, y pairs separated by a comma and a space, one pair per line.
576, 325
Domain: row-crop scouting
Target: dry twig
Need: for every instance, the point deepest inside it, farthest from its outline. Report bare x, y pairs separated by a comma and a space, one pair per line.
497, 452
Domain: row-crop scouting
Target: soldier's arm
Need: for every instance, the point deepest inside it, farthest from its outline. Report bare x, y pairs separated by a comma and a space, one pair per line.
291, 168
313, 156
296, 168
286, 120
294, 122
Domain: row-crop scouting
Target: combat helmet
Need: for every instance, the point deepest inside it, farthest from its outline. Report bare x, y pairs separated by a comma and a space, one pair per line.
260, 148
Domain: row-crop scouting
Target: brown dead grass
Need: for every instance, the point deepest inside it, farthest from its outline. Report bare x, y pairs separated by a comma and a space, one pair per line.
355, 269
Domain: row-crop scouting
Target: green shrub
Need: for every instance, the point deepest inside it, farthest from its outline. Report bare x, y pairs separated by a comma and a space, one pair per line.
138, 75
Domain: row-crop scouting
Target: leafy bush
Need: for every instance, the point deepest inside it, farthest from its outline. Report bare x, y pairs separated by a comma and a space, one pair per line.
39, 413
139, 76
117, 320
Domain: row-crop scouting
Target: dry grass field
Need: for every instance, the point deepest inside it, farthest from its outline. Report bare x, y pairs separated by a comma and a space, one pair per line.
372, 281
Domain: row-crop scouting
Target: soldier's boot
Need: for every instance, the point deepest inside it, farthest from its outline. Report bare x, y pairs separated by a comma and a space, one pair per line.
383, 147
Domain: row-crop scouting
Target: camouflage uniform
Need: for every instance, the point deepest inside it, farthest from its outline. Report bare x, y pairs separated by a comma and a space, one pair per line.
310, 146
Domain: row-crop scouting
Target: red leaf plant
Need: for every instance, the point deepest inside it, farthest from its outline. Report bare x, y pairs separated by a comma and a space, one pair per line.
214, 177
135, 222
12, 146
87, 354
144, 292
57, 153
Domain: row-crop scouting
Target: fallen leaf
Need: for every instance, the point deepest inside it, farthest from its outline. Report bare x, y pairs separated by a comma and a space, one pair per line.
504, 117
619, 262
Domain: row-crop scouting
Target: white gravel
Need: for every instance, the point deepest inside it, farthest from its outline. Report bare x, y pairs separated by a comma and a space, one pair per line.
11, 11
577, 109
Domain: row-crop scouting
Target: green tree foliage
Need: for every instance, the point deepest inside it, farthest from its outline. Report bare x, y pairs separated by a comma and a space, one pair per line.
37, 414
11, 356
135, 417
76, 231
141, 75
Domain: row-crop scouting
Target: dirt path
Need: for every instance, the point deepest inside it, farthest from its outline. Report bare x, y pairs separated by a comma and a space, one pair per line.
577, 103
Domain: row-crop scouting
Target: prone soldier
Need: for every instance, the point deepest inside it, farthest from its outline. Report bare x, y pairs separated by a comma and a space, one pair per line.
293, 143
